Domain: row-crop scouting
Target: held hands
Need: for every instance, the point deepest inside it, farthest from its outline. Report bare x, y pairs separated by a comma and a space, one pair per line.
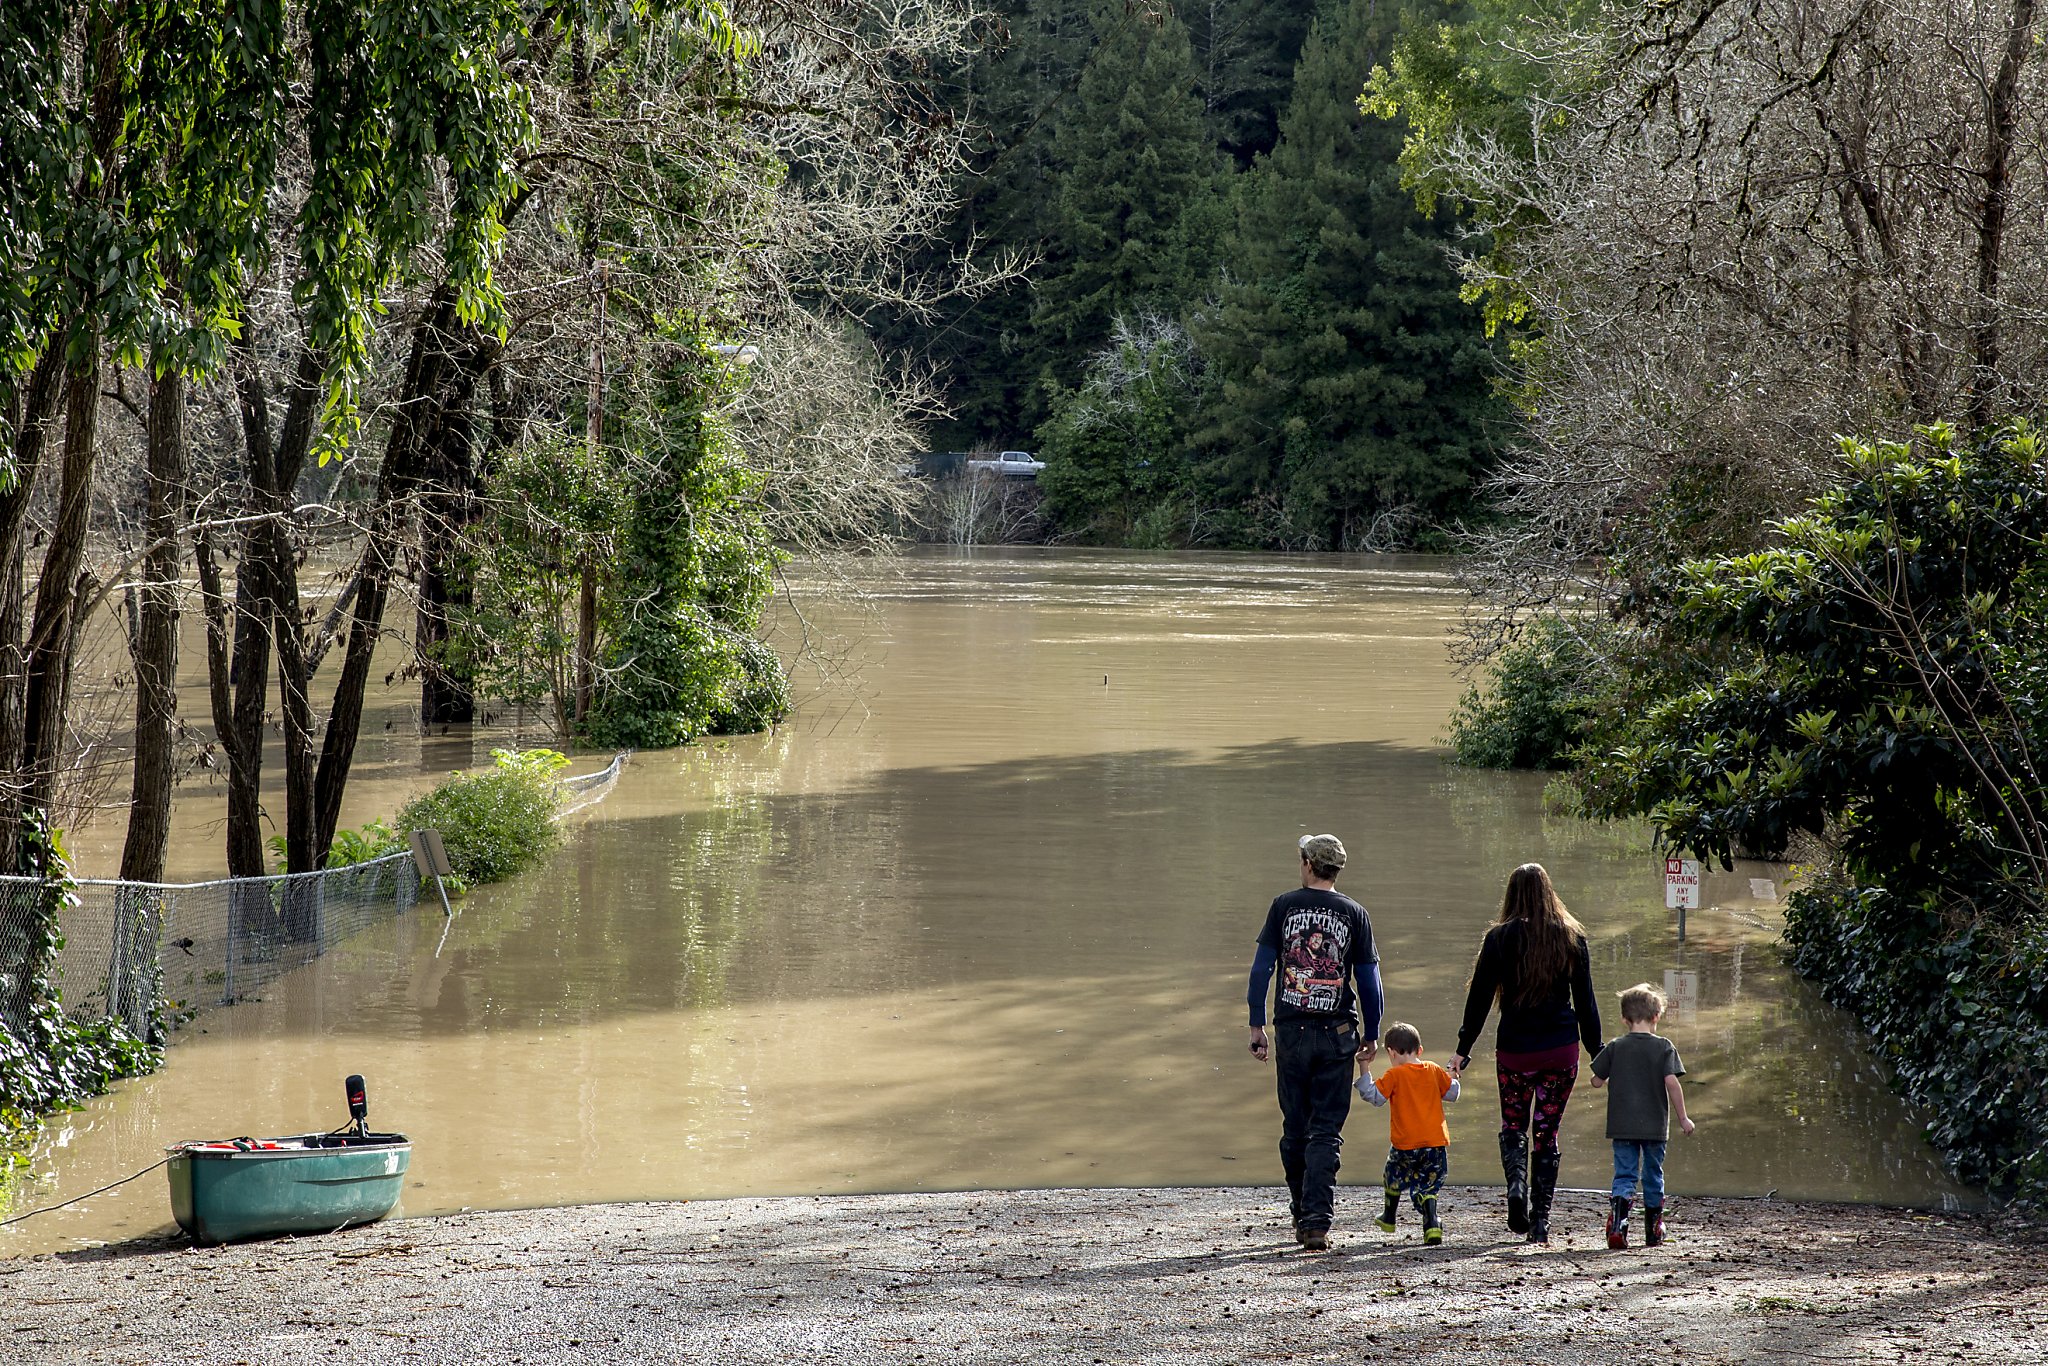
1261, 1047
1457, 1067
1367, 1051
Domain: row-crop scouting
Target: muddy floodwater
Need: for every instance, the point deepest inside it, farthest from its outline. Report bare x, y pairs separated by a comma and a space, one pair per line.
983, 919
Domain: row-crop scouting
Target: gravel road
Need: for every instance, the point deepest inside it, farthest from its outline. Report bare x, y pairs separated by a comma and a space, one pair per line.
1110, 1276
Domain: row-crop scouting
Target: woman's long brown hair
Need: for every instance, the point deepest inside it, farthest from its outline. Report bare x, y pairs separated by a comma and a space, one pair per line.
1550, 935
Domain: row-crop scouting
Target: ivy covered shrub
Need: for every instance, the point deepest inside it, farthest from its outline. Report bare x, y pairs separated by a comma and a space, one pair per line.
1539, 701
761, 697
497, 822
48, 1062
1879, 679
693, 573
1958, 1007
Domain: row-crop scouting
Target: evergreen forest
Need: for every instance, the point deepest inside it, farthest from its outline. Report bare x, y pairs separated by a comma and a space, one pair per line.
1234, 326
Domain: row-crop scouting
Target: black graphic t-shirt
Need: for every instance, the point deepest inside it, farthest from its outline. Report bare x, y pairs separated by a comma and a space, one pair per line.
1318, 935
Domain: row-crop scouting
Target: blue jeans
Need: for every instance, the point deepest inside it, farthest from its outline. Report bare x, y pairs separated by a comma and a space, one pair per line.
1632, 1159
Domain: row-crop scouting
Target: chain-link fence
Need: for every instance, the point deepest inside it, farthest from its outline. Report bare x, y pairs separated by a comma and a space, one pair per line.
130, 947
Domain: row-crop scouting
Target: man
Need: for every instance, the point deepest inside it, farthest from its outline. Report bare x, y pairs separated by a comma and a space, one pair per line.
1330, 976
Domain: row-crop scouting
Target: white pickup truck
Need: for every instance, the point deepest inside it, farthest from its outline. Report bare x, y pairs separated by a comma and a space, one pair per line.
1019, 463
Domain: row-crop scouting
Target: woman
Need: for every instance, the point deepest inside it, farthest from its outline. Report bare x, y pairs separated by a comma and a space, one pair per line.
1535, 963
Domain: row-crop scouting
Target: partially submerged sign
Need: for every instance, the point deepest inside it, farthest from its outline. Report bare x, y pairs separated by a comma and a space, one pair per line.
429, 855
1681, 884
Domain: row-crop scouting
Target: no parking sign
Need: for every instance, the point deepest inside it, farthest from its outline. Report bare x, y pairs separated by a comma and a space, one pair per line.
1681, 884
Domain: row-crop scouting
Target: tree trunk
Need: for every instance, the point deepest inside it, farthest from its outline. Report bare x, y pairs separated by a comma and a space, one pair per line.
440, 382
50, 636
447, 575
31, 410
156, 639
266, 612
2002, 120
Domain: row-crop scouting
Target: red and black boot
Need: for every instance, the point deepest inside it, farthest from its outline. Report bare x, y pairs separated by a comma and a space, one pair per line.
1617, 1222
1653, 1225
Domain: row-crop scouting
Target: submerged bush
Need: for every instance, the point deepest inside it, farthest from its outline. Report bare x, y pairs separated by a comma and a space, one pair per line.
1538, 704
760, 699
497, 822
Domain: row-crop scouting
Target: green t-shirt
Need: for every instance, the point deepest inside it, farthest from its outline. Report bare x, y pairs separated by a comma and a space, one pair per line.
1634, 1067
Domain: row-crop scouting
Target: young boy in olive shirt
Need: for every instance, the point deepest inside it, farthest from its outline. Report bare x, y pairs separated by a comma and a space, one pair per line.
1640, 1071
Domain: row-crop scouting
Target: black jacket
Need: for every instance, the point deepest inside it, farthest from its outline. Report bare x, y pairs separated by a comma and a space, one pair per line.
1566, 1011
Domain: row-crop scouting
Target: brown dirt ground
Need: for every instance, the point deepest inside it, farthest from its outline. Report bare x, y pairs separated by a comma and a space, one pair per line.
1123, 1276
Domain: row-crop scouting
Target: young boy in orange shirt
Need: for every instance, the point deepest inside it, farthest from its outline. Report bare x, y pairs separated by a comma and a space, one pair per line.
1419, 1158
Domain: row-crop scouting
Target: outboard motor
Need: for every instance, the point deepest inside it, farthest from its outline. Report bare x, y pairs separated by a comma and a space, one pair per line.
358, 1104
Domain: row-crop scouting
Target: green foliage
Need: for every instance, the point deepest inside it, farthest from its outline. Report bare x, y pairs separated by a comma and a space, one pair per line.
1475, 74
1879, 678
498, 822
1134, 173
1959, 1010
760, 697
1114, 448
374, 840
693, 573
412, 120
47, 1061
1350, 380
1540, 699
555, 513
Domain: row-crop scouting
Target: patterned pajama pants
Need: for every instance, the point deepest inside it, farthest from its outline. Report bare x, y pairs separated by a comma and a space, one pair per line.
1419, 1172
1533, 1103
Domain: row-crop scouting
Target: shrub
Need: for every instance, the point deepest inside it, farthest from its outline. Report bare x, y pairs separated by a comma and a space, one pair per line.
1879, 678
48, 1062
760, 699
497, 822
1539, 701
373, 841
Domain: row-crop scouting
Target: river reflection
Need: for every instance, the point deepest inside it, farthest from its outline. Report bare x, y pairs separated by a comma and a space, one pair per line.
987, 924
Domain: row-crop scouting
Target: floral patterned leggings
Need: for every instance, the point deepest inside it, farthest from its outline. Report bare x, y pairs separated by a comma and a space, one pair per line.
1535, 1101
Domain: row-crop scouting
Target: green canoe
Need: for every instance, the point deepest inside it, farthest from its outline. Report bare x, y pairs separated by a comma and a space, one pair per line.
309, 1183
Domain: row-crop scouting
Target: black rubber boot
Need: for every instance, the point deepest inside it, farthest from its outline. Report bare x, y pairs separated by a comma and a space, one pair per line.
1653, 1225
1386, 1219
1514, 1164
1617, 1222
1432, 1230
1542, 1186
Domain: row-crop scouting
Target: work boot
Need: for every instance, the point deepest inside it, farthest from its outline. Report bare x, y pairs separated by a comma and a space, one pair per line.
1315, 1239
1432, 1231
1617, 1223
1514, 1164
1386, 1219
1542, 1186
1653, 1225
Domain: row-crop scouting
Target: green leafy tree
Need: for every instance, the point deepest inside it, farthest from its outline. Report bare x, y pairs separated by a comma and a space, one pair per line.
1878, 680
1114, 448
1133, 226
1352, 382
692, 575
554, 510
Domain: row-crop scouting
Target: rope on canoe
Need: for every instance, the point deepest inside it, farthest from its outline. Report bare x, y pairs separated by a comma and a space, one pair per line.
87, 1196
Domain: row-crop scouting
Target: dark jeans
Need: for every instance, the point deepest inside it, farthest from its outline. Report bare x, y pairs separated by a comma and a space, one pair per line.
1314, 1063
